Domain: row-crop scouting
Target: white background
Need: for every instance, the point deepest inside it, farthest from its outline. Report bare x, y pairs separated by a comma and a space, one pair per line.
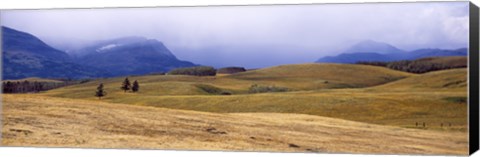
63, 152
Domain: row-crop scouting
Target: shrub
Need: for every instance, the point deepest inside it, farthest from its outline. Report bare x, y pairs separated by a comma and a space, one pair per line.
212, 89
195, 71
457, 99
157, 73
226, 93
266, 89
84, 81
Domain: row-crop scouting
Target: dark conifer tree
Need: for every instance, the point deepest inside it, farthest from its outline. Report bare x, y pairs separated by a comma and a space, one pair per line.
18, 88
4, 89
100, 92
126, 85
135, 86
25, 86
40, 87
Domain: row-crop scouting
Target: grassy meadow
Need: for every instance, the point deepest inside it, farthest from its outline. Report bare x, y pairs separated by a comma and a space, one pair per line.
34, 120
327, 108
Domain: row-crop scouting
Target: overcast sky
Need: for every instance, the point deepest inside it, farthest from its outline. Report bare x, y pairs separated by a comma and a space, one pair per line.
255, 36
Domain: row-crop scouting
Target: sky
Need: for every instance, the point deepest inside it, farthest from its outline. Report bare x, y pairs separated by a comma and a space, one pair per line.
254, 36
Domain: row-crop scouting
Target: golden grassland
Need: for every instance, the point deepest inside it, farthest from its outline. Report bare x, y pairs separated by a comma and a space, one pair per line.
33, 120
400, 99
329, 108
296, 77
444, 80
455, 61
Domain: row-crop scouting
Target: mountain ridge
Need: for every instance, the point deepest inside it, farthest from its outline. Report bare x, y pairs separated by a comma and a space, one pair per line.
131, 56
354, 55
373, 46
12, 40
25, 55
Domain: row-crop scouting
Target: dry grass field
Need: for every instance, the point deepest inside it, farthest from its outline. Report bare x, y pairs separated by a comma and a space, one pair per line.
297, 77
388, 97
31, 120
328, 108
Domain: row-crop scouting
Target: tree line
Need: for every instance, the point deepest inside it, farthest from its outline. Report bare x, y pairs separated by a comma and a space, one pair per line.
414, 66
31, 86
126, 86
195, 71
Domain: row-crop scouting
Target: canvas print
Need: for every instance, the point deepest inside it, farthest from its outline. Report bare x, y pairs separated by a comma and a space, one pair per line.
388, 78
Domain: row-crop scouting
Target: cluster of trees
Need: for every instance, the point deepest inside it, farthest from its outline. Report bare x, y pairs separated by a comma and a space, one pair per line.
414, 66
126, 86
418, 66
31, 86
374, 63
195, 71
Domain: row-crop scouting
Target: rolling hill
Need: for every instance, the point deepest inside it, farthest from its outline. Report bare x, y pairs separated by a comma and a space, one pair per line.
331, 108
453, 79
451, 61
295, 77
321, 76
341, 97
38, 121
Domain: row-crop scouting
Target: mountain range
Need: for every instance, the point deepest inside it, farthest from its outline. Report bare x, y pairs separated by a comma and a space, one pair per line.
130, 56
25, 55
378, 51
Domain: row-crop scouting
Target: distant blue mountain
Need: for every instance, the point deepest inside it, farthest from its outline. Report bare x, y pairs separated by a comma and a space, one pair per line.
24, 55
422, 53
376, 51
21, 42
130, 56
355, 57
373, 46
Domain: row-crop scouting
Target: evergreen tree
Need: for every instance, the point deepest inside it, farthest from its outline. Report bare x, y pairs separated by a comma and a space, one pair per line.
126, 85
100, 92
7, 87
135, 86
